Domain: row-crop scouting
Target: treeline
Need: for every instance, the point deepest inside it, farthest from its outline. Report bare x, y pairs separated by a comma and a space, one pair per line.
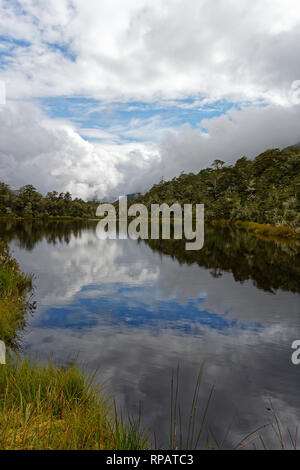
264, 190
28, 202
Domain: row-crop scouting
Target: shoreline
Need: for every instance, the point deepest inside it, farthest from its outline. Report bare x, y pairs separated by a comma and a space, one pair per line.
50, 406
266, 232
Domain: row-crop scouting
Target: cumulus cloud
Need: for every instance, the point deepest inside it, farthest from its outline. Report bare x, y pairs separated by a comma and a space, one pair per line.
240, 132
142, 48
180, 53
51, 154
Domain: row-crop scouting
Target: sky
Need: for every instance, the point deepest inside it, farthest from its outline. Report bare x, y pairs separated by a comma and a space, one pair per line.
106, 97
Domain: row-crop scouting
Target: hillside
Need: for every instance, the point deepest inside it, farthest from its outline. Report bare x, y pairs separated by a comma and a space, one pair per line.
263, 190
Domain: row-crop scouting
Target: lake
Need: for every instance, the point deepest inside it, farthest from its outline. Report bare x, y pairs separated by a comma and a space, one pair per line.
134, 310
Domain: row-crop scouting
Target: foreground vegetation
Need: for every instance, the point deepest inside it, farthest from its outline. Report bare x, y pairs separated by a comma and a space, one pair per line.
265, 190
14, 285
48, 407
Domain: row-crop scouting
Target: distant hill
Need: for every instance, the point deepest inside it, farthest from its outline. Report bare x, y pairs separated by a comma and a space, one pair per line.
263, 190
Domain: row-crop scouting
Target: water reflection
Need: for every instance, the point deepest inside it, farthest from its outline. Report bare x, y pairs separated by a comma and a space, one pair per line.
133, 310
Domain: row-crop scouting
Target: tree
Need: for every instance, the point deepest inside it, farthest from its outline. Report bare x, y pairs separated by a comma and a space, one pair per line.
52, 196
67, 197
27, 191
218, 164
28, 210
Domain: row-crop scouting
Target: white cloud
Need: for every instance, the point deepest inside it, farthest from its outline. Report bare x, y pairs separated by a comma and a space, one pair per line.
248, 132
155, 52
146, 49
52, 154
64, 270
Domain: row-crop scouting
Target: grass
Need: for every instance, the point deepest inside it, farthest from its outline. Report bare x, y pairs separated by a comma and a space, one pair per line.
196, 420
267, 230
50, 407
197, 433
292, 443
47, 407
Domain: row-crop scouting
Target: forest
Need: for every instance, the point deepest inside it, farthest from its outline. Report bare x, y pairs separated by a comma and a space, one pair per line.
265, 190
27, 202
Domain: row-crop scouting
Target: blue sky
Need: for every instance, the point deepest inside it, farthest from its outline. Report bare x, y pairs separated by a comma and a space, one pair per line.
88, 113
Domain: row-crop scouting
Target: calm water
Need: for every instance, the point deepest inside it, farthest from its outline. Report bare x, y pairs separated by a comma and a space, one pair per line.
134, 310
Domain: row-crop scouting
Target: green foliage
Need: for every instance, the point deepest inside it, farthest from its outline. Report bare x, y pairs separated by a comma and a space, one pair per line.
14, 285
28, 203
266, 230
50, 407
265, 190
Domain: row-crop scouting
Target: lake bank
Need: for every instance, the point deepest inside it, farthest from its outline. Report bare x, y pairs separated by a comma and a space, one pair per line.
263, 231
46, 406
14, 285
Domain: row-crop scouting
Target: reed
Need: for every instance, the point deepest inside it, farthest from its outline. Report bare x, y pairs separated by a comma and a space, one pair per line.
197, 433
267, 230
50, 407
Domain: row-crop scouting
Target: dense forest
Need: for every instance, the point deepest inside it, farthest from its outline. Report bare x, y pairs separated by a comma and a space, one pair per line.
28, 202
263, 190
